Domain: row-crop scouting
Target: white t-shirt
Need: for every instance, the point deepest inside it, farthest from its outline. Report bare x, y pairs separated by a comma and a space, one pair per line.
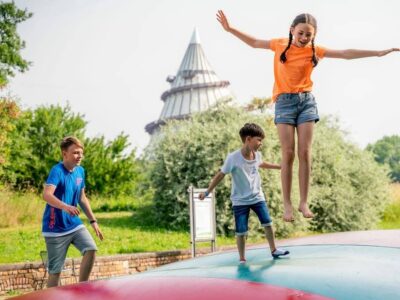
246, 181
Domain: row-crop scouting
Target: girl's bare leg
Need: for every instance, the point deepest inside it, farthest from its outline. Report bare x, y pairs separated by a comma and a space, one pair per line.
305, 134
286, 137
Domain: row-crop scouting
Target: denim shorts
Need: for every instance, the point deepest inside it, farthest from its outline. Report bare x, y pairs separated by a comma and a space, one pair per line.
57, 247
295, 109
241, 213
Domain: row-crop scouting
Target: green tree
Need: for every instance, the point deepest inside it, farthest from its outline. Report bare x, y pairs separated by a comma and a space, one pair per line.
111, 171
10, 61
387, 151
35, 143
10, 42
348, 188
9, 112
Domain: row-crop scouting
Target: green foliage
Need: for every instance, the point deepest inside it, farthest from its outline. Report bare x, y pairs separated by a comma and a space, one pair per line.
9, 112
194, 153
387, 151
391, 215
109, 170
10, 42
34, 149
348, 189
35, 144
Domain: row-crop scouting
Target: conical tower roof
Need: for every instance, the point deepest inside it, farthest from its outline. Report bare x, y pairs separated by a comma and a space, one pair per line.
196, 87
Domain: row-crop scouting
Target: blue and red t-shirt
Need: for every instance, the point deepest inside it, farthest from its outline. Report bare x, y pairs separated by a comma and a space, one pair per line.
69, 185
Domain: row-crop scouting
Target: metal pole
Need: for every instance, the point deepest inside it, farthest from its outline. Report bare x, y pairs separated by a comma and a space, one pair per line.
191, 207
214, 222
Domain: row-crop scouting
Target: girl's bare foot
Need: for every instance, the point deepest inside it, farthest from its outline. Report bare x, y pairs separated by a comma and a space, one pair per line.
303, 208
288, 214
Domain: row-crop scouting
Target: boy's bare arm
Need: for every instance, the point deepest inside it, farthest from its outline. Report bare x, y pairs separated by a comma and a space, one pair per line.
214, 182
268, 165
84, 203
48, 196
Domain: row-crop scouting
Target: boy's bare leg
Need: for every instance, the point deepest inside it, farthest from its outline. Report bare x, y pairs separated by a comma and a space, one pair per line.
305, 134
269, 234
276, 253
286, 137
241, 245
54, 280
86, 265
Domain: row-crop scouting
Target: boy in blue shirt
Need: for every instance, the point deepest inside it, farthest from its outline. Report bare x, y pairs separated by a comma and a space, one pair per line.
61, 226
246, 193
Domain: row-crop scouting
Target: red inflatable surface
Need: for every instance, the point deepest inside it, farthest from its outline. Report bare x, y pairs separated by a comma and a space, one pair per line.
171, 288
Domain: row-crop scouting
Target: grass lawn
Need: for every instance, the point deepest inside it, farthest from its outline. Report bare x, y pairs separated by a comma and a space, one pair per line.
123, 234
126, 226
125, 231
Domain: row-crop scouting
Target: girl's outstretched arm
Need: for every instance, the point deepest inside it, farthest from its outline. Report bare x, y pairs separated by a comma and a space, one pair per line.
354, 53
248, 39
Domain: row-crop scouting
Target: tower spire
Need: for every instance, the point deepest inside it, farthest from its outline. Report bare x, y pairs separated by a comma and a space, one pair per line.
194, 88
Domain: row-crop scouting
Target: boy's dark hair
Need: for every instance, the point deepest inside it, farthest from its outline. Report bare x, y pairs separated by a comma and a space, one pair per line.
68, 141
252, 130
307, 19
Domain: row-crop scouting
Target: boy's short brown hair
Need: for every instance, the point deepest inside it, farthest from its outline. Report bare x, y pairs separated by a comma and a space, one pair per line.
252, 130
68, 141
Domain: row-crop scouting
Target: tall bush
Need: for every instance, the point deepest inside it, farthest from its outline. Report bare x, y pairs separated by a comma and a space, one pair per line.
349, 190
346, 182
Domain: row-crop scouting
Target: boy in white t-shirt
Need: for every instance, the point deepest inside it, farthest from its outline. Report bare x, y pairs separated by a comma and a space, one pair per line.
246, 192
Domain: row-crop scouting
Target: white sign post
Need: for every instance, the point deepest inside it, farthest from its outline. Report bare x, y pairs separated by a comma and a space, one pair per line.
202, 218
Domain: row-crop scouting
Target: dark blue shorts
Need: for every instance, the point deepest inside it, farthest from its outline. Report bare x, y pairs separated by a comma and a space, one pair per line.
295, 109
242, 212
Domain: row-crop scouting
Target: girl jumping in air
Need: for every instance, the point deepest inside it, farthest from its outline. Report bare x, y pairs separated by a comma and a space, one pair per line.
295, 106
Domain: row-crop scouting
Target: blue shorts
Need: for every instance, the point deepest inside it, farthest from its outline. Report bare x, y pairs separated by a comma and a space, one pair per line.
295, 109
241, 213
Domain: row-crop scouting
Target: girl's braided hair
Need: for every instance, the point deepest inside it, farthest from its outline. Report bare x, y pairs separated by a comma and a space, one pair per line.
307, 19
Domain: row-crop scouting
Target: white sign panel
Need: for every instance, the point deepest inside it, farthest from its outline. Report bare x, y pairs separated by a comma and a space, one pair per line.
203, 217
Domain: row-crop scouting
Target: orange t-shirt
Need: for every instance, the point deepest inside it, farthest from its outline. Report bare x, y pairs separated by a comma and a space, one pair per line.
294, 76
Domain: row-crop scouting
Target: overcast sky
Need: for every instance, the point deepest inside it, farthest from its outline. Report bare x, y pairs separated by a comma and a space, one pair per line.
109, 58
